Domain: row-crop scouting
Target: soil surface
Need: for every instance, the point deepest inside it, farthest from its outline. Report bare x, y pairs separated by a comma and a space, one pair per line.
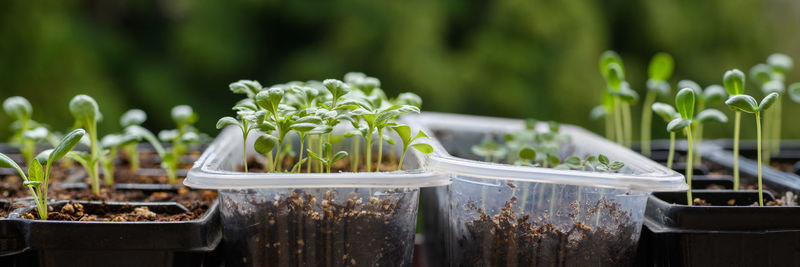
314, 230
512, 239
100, 212
387, 165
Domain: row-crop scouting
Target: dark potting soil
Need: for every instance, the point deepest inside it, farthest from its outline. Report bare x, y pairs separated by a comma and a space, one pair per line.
151, 159
124, 175
314, 230
512, 239
197, 201
127, 213
11, 185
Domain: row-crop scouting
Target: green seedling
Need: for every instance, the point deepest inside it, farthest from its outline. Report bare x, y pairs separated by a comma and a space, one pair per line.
613, 71
38, 177
328, 158
170, 158
771, 77
111, 144
86, 113
794, 92
404, 132
20, 110
734, 84
659, 71
130, 118
184, 118
748, 104
713, 94
250, 118
669, 114
605, 165
684, 103
490, 150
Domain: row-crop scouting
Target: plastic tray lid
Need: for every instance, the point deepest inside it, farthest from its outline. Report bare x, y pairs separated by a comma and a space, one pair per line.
640, 173
216, 169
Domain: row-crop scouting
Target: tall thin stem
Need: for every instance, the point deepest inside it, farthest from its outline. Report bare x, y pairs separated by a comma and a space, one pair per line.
356, 152
758, 148
671, 155
689, 167
626, 115
244, 147
368, 152
302, 148
647, 118
618, 123
736, 125
380, 150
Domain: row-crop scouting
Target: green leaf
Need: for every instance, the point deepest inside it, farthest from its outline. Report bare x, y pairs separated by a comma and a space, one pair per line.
265, 143
270, 99
226, 121
265, 126
18, 108
615, 76
711, 114
132, 117
616, 165
733, 80
32, 183
83, 107
424, 148
573, 161
420, 134
678, 124
145, 134
322, 129
35, 171
691, 85
780, 62
410, 99
714, 94
553, 159
183, 114
768, 101
592, 160
527, 153
303, 127
626, 94
404, 132
39, 133
602, 159
665, 111
607, 58
794, 92
339, 156
761, 73
336, 87
248, 87
597, 113
315, 156
744, 103
661, 67
6, 162
66, 145
661, 87
684, 103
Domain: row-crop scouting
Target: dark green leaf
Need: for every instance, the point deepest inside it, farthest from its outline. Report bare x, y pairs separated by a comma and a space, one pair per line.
744, 103
616, 165
265, 143
527, 153
553, 159
602, 159
66, 144
684, 103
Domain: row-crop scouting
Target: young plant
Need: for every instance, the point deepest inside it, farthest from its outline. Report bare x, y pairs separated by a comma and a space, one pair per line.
328, 158
171, 158
613, 71
111, 144
748, 104
38, 178
404, 132
246, 111
794, 92
684, 102
659, 71
771, 77
669, 114
734, 84
87, 113
713, 94
490, 150
130, 118
20, 110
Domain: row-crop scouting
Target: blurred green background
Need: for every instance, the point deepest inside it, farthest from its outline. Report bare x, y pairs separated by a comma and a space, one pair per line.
525, 58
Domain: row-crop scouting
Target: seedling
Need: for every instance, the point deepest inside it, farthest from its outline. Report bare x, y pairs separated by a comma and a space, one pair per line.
748, 104
492, 151
328, 157
246, 111
713, 94
684, 102
668, 113
87, 113
404, 132
110, 144
20, 110
734, 84
659, 71
130, 118
38, 178
612, 69
771, 77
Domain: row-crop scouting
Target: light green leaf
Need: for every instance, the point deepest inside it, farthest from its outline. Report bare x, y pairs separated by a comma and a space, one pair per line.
661, 87
616, 165
265, 143
6, 162
339, 156
527, 153
665, 111
794, 92
768, 101
226, 121
606, 59
615, 77
35, 171
183, 114
66, 145
733, 80
132, 117
404, 132
424, 148
678, 124
773, 86
780, 62
661, 67
315, 156
691, 85
744, 103
714, 94
18, 108
83, 107
711, 114
684, 103
597, 113
761, 73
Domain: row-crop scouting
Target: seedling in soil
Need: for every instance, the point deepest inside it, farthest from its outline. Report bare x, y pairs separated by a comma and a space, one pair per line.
87, 113
130, 118
490, 150
734, 84
404, 132
659, 71
771, 77
713, 94
20, 110
684, 102
111, 144
669, 114
613, 71
38, 177
248, 121
748, 104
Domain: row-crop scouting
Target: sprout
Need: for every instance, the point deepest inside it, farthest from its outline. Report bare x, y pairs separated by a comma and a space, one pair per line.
734, 84
771, 77
659, 71
748, 104
38, 177
110, 144
612, 69
130, 118
404, 132
684, 103
86, 113
490, 150
20, 110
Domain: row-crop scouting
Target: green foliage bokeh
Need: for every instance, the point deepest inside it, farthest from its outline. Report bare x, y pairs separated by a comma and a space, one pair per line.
514, 58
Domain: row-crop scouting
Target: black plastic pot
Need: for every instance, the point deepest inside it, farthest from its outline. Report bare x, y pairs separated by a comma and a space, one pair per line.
71, 243
789, 153
680, 235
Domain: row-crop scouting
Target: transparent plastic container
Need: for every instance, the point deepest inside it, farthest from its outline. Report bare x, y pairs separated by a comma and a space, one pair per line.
504, 215
338, 219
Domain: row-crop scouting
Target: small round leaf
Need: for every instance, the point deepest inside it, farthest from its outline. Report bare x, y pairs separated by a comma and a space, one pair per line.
743, 103
768, 101
684, 103
733, 80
